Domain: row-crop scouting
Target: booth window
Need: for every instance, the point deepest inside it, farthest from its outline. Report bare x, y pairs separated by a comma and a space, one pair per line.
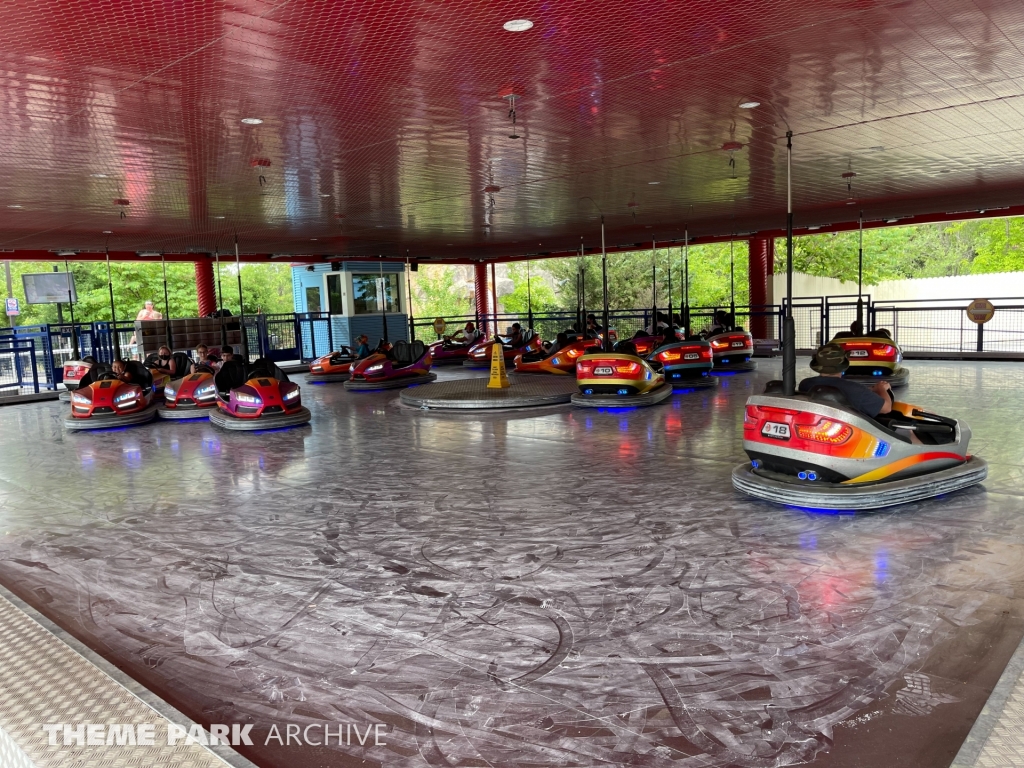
334, 305
365, 299
312, 299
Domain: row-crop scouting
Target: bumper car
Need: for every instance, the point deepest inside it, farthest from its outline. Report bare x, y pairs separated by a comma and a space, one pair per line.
256, 396
479, 355
874, 358
102, 401
446, 352
333, 367
404, 365
732, 351
74, 370
686, 364
562, 362
190, 397
816, 451
619, 379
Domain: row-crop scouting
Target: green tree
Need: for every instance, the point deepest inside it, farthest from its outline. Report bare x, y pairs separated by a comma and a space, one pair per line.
539, 295
440, 291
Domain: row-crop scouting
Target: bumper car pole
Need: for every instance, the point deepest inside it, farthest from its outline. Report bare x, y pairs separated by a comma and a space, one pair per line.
71, 306
604, 283
241, 306
788, 328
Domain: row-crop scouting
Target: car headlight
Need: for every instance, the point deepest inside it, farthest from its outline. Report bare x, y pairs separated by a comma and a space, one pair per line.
210, 390
317, 367
244, 398
169, 394
291, 395
126, 397
81, 399
374, 368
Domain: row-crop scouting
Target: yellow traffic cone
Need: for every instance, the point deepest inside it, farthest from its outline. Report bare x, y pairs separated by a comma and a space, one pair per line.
499, 379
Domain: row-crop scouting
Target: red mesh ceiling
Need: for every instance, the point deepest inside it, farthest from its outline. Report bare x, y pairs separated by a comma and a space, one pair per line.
384, 122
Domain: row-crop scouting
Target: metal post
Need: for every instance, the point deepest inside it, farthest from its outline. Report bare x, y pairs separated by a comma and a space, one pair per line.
732, 283
220, 302
167, 308
671, 322
241, 306
686, 281
408, 283
607, 346
113, 317
10, 291
529, 299
383, 302
71, 306
494, 297
860, 271
789, 328
981, 337
654, 288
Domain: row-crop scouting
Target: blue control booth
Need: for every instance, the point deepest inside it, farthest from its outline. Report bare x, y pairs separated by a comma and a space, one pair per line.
349, 291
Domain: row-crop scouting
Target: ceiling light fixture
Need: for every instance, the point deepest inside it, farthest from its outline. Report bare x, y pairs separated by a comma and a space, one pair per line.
324, 194
518, 25
65, 254
252, 121
652, 183
749, 104
218, 217
15, 206
107, 232
98, 175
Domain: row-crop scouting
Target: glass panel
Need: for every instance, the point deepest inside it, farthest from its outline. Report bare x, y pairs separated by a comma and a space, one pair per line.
364, 293
313, 300
334, 305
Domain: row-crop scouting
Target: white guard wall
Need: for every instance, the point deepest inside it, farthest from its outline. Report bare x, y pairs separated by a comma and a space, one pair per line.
989, 286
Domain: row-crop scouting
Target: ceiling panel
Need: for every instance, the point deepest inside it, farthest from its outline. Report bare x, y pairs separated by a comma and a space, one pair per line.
385, 123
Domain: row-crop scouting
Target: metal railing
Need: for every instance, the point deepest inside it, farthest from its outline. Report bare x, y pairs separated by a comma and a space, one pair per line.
34, 356
19, 366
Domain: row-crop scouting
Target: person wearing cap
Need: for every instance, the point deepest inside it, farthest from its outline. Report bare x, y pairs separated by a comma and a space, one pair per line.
830, 362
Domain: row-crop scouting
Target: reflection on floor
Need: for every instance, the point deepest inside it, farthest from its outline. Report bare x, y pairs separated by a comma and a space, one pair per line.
571, 588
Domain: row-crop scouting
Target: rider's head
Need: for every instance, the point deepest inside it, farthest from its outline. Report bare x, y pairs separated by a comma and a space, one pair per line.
470, 327
857, 328
118, 367
830, 360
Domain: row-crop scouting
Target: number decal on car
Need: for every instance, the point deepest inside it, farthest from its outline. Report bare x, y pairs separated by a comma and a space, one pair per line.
775, 430
603, 370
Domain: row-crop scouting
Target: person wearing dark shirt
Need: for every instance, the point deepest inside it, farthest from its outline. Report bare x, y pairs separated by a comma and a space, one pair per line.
830, 363
561, 342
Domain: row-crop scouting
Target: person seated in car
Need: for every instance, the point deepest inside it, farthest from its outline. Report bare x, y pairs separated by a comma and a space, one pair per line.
202, 352
830, 362
660, 324
121, 372
668, 336
164, 363
720, 324
515, 338
362, 347
856, 331
561, 342
465, 337
594, 329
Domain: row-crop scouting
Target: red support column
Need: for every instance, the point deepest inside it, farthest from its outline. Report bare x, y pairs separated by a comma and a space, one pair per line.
480, 293
206, 294
761, 265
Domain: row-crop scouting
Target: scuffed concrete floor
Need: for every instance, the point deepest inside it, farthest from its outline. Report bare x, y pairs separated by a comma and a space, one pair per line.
569, 588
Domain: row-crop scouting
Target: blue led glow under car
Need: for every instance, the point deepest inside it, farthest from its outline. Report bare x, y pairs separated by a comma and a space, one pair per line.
623, 391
